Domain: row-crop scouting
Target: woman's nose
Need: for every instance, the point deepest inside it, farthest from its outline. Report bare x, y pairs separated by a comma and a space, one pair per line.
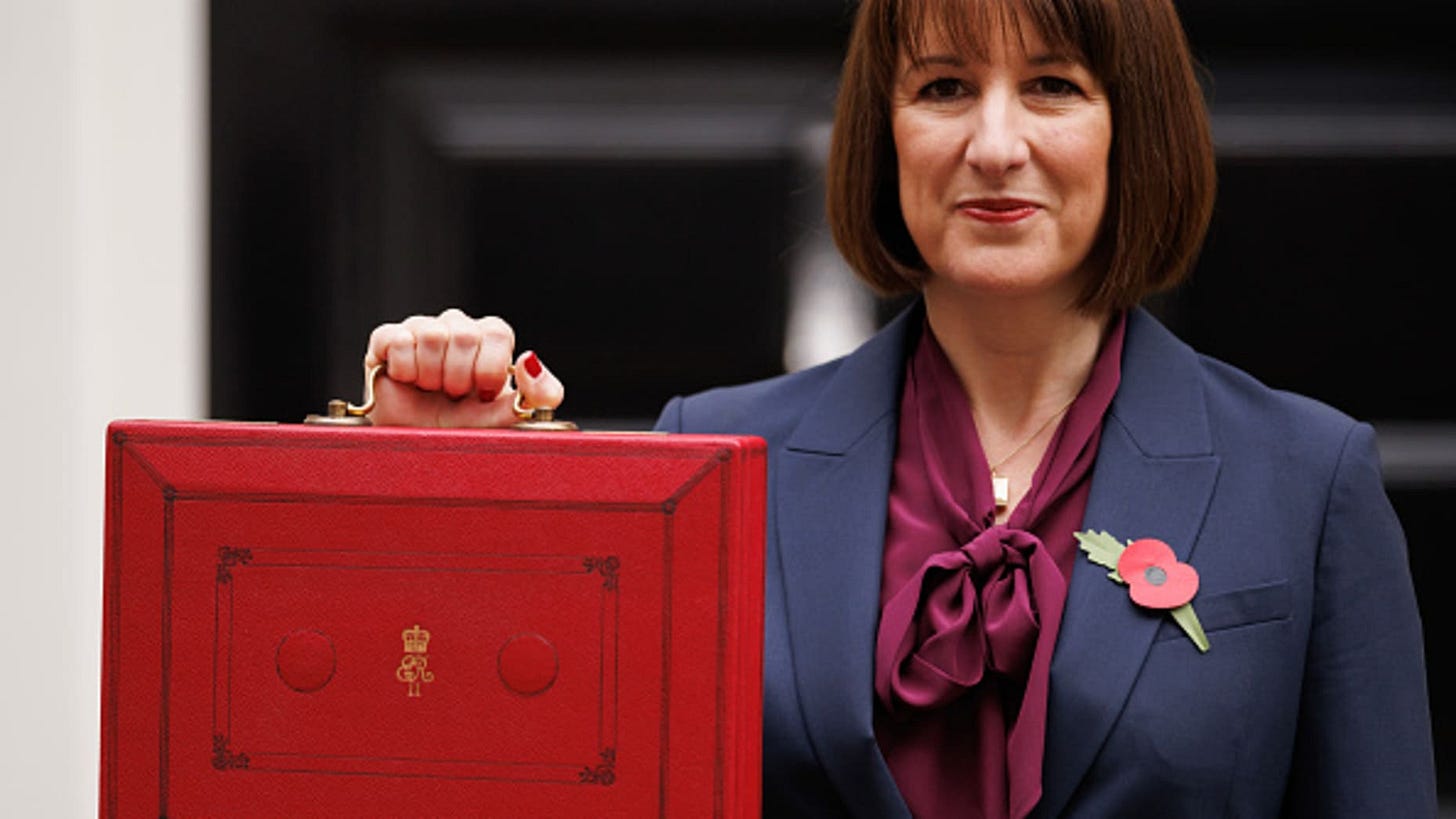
997, 142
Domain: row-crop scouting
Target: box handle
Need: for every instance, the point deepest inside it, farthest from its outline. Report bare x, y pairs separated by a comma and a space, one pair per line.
342, 413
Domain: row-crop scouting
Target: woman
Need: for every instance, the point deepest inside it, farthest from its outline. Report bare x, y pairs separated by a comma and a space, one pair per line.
936, 643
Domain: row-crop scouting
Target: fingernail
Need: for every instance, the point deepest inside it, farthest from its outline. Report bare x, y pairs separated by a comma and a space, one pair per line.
532, 365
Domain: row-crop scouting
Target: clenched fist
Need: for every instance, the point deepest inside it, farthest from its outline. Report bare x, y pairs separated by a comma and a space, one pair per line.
452, 370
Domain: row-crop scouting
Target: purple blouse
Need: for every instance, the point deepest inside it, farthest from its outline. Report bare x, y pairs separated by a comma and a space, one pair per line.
969, 608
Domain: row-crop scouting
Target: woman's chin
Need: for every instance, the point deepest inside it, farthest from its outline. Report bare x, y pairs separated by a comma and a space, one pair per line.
1003, 283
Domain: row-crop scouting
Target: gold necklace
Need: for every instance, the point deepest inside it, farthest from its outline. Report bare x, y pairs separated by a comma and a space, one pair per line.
1000, 484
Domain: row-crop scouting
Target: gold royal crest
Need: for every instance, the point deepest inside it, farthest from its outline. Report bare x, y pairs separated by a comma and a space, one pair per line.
413, 671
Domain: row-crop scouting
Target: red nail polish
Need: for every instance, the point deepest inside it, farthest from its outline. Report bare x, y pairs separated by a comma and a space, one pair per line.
532, 365
487, 396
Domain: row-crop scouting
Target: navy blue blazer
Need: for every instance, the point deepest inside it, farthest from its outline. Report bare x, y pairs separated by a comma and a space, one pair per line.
1312, 700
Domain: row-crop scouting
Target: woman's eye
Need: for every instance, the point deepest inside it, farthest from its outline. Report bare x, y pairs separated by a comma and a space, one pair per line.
945, 88
1055, 87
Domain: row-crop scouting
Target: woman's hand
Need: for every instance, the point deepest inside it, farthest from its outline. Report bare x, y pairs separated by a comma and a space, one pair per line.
453, 371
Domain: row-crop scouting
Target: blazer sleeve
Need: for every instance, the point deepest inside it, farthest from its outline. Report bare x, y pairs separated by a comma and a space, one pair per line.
670, 419
1364, 745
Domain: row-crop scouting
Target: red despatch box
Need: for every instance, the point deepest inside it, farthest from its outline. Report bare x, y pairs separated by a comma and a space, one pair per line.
314, 621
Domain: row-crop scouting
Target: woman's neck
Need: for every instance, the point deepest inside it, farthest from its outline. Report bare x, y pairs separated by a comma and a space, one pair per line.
1020, 360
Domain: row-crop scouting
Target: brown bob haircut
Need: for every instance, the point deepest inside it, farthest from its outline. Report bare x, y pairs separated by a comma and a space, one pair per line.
1161, 171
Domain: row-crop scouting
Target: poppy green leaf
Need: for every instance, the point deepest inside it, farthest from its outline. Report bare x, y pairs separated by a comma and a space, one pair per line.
1102, 549
1184, 617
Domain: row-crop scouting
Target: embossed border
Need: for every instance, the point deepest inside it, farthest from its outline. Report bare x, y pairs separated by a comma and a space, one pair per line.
126, 444
597, 770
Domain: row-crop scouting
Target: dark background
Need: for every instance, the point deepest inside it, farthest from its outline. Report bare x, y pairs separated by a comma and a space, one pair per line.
639, 223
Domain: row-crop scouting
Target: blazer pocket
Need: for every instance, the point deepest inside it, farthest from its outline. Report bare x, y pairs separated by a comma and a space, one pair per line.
1244, 607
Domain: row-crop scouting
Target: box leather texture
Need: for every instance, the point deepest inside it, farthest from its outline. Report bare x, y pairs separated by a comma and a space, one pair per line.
308, 621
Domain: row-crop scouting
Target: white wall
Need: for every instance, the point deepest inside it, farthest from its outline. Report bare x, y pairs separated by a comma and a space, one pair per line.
102, 174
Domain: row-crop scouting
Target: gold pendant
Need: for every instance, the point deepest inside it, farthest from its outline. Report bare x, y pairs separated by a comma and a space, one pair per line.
1000, 491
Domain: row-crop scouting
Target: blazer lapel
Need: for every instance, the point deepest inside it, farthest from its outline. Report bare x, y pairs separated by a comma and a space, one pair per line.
1154, 477
833, 486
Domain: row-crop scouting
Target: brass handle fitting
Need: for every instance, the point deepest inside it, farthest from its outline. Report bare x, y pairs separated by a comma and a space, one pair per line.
342, 413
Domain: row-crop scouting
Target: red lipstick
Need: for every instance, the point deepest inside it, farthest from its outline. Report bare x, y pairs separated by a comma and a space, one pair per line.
997, 211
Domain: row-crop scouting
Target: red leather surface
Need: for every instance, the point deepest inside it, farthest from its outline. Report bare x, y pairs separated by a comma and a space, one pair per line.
593, 606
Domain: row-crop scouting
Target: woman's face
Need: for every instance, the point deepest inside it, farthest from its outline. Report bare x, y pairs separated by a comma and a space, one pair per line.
1003, 164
